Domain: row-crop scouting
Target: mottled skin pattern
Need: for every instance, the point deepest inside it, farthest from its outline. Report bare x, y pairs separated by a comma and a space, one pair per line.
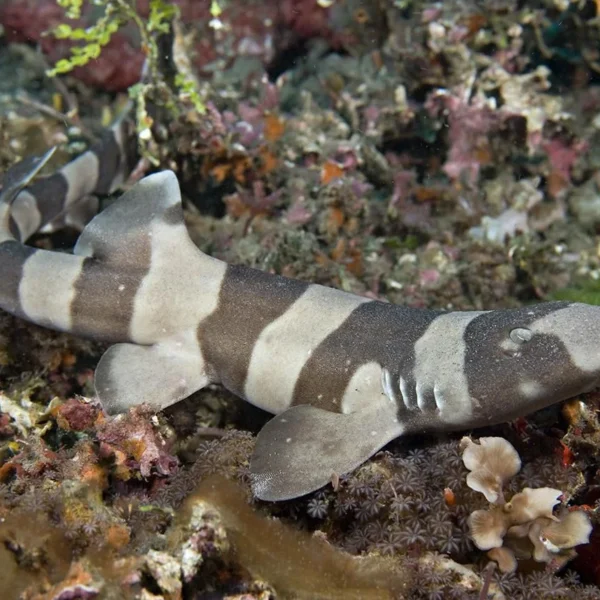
344, 374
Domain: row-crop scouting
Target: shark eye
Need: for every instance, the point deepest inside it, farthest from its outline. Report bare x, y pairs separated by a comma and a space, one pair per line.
520, 335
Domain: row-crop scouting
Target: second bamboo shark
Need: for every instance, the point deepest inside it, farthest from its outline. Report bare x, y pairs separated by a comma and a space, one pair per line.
344, 374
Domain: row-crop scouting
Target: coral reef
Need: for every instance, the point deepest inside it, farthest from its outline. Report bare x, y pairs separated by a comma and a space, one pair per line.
410, 502
432, 154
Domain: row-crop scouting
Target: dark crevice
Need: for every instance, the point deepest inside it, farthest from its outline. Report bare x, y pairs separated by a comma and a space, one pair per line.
287, 59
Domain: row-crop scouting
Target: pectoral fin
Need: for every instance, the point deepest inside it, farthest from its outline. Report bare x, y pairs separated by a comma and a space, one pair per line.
301, 449
158, 375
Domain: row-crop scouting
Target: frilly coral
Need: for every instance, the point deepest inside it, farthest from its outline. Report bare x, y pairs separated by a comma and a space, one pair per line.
551, 537
488, 527
574, 529
505, 558
525, 526
492, 463
531, 504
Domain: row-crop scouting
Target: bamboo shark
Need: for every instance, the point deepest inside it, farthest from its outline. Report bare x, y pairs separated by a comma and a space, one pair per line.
343, 374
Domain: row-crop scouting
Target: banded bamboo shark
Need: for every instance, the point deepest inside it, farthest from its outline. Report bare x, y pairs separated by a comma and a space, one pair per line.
343, 374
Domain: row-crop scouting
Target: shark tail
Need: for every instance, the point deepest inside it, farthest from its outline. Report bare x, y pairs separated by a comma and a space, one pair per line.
68, 197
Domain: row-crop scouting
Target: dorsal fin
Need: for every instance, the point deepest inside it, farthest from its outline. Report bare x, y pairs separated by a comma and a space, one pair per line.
115, 233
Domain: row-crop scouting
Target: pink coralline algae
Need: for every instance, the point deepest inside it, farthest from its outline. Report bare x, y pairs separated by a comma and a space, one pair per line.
135, 445
77, 415
562, 156
305, 17
469, 124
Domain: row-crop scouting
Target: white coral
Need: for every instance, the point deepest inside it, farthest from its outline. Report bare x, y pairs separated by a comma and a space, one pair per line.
526, 525
488, 527
532, 503
492, 463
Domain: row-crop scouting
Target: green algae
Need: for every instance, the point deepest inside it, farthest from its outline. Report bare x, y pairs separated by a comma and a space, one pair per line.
587, 292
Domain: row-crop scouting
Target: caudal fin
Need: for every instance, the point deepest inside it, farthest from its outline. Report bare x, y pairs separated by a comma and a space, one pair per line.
15, 179
69, 196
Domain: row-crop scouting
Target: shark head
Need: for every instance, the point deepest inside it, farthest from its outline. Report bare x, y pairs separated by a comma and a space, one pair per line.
520, 360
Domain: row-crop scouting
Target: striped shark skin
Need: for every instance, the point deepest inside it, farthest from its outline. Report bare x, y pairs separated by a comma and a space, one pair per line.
343, 374
70, 196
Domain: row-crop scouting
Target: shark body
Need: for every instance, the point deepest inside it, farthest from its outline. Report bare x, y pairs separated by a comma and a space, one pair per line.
343, 374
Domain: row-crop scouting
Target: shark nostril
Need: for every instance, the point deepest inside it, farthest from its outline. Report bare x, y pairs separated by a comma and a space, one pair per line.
520, 335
